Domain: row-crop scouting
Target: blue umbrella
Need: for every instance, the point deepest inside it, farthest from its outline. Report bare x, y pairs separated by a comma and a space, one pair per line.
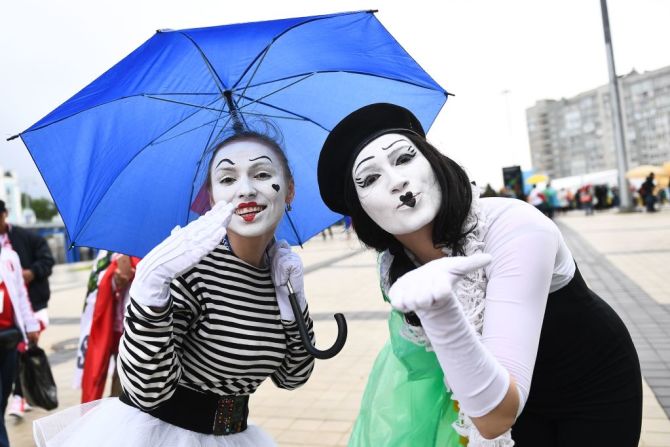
125, 158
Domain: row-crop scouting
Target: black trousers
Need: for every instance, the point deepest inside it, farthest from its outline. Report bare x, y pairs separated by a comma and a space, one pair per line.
587, 386
7, 371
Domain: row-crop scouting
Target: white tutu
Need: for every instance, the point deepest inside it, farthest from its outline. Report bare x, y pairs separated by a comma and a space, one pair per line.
111, 423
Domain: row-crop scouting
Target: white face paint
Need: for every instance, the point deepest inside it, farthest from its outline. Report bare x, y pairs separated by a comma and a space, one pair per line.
396, 185
249, 175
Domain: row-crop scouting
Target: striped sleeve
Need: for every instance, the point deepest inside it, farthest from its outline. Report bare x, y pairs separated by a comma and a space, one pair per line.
149, 362
298, 363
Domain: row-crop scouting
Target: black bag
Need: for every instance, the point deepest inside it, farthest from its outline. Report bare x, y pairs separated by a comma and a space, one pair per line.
37, 382
9, 338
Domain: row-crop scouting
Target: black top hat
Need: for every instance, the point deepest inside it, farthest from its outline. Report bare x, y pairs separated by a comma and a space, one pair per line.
347, 139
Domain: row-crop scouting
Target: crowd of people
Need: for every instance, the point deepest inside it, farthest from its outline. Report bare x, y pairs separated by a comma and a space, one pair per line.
549, 200
25, 266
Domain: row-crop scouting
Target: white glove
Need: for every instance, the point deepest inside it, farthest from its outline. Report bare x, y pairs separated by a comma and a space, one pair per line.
477, 379
177, 253
287, 266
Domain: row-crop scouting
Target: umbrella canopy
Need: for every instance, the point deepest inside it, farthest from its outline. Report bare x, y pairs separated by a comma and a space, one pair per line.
537, 178
644, 170
125, 158
666, 168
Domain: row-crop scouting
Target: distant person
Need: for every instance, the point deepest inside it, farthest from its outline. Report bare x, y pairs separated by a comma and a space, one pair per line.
489, 191
327, 230
647, 193
36, 264
17, 323
563, 202
551, 200
102, 323
347, 226
537, 199
586, 199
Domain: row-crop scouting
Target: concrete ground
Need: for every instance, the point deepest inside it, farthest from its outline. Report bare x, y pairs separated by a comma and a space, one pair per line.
624, 257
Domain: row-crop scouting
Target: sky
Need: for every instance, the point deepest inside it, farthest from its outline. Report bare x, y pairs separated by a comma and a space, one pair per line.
497, 57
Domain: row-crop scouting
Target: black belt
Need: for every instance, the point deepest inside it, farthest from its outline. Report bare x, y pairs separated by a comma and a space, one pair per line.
203, 413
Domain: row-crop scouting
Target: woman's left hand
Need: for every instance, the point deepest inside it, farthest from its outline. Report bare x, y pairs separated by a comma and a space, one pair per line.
432, 284
287, 266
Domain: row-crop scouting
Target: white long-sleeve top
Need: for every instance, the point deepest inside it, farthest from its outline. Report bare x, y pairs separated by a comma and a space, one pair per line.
530, 260
10, 273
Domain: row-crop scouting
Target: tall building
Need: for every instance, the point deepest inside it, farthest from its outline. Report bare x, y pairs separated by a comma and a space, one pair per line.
10, 192
574, 136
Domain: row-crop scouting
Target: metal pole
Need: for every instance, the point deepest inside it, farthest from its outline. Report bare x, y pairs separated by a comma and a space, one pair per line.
626, 202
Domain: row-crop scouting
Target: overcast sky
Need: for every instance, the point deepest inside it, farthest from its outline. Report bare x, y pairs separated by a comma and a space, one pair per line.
497, 57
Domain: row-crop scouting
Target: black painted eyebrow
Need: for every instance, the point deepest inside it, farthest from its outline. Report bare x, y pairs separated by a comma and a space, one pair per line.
363, 161
226, 160
397, 141
262, 156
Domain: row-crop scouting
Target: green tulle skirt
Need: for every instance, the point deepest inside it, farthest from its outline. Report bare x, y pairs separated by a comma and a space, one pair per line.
405, 401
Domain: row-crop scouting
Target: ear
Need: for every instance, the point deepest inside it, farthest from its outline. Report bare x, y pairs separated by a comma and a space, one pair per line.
290, 194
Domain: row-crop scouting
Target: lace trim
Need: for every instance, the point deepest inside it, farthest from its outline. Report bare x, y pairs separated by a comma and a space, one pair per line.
466, 428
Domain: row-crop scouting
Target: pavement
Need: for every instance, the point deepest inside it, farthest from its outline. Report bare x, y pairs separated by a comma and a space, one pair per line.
624, 257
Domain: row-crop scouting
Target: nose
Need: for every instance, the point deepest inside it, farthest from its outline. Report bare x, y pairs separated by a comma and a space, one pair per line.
398, 184
246, 189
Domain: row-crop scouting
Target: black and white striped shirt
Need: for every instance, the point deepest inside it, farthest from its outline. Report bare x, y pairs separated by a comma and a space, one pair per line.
220, 334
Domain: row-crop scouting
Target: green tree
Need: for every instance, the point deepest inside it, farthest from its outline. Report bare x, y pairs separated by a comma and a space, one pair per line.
44, 209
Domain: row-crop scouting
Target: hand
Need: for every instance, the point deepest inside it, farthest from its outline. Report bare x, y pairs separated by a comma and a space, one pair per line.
33, 337
180, 251
124, 272
432, 284
287, 266
28, 276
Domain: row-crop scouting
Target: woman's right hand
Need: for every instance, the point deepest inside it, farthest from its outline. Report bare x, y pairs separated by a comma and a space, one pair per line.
180, 251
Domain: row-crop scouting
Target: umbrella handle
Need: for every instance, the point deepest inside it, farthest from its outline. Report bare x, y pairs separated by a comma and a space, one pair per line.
302, 328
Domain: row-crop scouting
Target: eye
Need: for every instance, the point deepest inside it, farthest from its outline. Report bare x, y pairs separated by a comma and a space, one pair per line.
367, 181
227, 180
263, 176
405, 158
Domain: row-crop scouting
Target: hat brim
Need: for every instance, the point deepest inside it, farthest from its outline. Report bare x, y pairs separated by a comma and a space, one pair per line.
347, 139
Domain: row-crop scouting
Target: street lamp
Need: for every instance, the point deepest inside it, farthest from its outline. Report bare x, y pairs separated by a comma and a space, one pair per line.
626, 202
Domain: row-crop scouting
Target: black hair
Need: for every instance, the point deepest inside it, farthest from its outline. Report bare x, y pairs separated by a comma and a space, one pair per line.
251, 135
448, 231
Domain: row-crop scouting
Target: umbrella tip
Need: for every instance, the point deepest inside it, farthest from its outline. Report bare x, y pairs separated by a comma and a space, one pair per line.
13, 137
164, 30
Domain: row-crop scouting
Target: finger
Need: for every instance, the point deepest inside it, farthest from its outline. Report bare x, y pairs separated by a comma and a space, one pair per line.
467, 264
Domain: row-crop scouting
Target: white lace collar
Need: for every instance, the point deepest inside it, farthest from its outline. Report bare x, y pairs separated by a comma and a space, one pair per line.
471, 291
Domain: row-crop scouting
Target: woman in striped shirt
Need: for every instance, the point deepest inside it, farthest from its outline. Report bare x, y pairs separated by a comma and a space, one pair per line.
209, 319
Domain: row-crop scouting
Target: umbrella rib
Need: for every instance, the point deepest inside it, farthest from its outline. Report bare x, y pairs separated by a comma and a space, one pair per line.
258, 65
185, 103
308, 75
350, 72
104, 104
304, 118
81, 111
291, 28
88, 221
202, 157
185, 132
217, 80
274, 116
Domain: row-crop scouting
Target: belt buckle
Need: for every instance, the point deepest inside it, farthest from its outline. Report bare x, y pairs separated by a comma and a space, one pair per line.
230, 416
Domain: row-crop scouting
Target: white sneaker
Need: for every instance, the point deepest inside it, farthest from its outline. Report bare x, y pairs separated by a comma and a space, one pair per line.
17, 407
